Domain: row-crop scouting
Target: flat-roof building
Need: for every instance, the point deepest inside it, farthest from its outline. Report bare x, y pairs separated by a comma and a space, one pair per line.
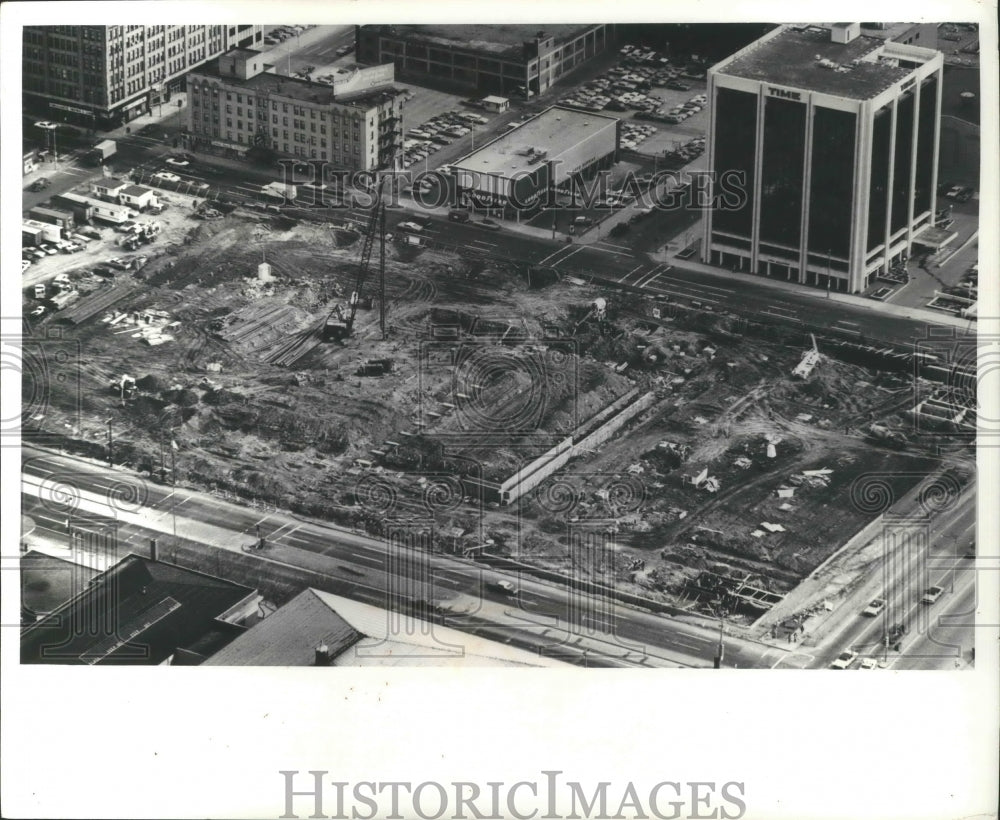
516, 168
354, 122
139, 611
495, 57
823, 144
103, 76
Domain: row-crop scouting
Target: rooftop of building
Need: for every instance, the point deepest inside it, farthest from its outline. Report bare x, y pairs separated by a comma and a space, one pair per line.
48, 582
302, 90
136, 190
490, 38
553, 131
109, 183
147, 610
357, 634
805, 57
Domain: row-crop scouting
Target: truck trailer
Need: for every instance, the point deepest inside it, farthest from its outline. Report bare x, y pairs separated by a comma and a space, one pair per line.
103, 151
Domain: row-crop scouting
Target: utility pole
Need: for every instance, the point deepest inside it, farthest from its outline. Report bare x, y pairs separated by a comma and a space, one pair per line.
381, 269
163, 473
721, 651
111, 457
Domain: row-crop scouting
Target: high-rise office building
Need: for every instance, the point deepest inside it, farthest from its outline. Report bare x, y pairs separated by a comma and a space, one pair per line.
823, 145
102, 76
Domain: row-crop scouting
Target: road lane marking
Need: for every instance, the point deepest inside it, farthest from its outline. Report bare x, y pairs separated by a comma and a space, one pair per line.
627, 275
576, 250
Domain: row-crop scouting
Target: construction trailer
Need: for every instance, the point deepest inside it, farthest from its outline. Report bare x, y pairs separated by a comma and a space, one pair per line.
49, 232
54, 216
31, 236
80, 206
110, 212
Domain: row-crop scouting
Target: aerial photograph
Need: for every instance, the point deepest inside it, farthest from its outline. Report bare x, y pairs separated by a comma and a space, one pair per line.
500, 345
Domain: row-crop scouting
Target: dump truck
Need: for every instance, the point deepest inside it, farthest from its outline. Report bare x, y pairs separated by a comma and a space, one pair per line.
103, 151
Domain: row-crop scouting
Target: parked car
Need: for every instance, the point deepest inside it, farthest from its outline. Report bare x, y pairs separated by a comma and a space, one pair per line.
38, 311
931, 594
410, 226
868, 663
583, 221
874, 608
844, 660
25, 264
489, 224
164, 176
40, 184
178, 163
458, 216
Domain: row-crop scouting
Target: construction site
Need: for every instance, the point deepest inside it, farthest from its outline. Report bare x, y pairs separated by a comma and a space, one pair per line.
322, 369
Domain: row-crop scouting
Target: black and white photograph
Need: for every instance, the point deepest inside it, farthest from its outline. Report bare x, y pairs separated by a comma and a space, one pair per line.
485, 361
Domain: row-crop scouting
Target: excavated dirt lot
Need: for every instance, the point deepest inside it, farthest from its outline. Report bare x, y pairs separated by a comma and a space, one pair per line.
478, 375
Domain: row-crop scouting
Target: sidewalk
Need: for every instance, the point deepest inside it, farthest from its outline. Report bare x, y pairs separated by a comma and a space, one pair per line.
162, 112
919, 314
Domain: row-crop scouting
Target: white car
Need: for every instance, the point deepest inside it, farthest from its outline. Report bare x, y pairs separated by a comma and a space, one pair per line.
844, 659
504, 587
931, 594
38, 311
180, 163
164, 176
25, 264
874, 608
868, 663
413, 227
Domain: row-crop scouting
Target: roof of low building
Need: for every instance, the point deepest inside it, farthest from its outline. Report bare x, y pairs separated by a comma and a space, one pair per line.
553, 131
302, 90
47, 582
358, 634
492, 38
137, 612
136, 190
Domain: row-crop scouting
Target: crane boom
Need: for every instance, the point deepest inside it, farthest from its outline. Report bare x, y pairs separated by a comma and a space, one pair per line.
375, 227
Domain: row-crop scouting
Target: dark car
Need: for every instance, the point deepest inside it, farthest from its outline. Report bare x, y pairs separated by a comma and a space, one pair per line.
40, 184
458, 216
489, 224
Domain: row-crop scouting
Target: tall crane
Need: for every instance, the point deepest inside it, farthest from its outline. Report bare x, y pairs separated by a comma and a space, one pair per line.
339, 325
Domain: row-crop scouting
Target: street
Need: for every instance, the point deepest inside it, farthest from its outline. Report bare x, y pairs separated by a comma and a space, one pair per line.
543, 616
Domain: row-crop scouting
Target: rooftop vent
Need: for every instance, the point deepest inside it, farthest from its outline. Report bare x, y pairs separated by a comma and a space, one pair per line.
844, 32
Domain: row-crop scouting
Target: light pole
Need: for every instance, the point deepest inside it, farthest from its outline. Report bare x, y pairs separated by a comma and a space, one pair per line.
720, 653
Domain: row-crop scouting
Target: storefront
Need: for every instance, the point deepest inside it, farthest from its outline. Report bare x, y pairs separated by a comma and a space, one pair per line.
134, 109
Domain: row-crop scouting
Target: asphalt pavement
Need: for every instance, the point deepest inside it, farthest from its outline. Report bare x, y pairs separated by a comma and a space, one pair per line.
543, 615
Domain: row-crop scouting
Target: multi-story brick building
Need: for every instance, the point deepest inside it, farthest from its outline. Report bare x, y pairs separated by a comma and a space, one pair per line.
240, 102
103, 76
494, 57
